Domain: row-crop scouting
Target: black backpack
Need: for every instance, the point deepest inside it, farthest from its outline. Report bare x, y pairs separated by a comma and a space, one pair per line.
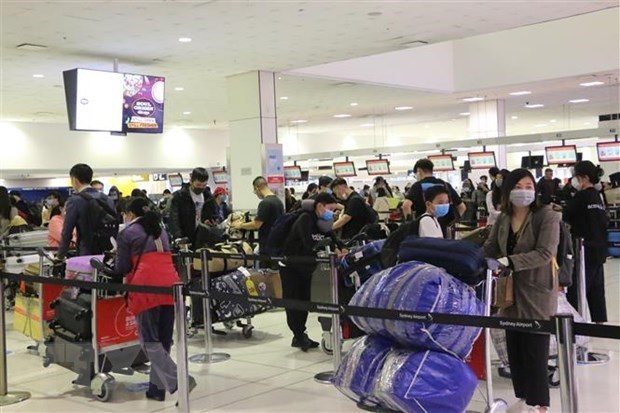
389, 251
280, 231
565, 257
102, 224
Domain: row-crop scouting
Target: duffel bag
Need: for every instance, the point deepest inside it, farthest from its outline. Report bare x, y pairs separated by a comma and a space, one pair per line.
461, 259
420, 287
225, 265
425, 381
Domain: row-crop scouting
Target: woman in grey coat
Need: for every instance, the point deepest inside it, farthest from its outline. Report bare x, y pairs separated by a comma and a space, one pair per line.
525, 239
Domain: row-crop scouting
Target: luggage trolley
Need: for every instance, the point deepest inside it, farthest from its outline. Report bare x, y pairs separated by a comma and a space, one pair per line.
113, 345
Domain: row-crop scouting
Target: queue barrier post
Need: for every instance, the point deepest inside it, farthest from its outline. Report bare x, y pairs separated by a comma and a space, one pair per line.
493, 405
6, 398
181, 346
327, 377
208, 357
566, 362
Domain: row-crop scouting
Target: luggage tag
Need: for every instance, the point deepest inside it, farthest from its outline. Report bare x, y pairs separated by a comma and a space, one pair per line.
249, 284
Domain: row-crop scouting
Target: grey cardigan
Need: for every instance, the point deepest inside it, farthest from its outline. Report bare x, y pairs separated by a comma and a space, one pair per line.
535, 287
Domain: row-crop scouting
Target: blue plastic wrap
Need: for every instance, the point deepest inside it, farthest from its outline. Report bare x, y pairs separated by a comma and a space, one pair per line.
415, 286
356, 261
425, 382
360, 367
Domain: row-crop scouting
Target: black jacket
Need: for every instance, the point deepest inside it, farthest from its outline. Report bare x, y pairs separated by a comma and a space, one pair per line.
182, 221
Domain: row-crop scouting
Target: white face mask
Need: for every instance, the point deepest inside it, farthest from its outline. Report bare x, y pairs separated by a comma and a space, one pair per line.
575, 183
522, 197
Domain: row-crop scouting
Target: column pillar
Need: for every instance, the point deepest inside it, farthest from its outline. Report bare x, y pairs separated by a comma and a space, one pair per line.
254, 149
487, 119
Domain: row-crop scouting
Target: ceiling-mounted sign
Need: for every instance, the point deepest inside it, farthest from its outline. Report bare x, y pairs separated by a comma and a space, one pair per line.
292, 173
175, 180
378, 167
481, 160
442, 162
159, 177
561, 155
344, 169
220, 177
608, 151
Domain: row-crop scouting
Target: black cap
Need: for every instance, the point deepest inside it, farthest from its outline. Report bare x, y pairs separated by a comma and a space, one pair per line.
325, 198
324, 181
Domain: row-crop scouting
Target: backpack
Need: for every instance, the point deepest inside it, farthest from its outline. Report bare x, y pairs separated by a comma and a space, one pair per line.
30, 212
389, 251
372, 217
280, 231
102, 224
565, 256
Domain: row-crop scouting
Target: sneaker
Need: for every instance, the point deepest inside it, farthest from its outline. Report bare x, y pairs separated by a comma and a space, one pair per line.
518, 407
158, 396
304, 343
535, 409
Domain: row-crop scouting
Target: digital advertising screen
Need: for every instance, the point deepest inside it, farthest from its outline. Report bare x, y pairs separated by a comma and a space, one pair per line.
220, 177
143, 103
608, 151
378, 167
442, 162
344, 169
561, 155
175, 180
292, 173
481, 160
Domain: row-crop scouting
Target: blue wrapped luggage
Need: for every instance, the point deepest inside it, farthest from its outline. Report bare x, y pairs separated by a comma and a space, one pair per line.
425, 381
361, 263
462, 259
360, 367
415, 286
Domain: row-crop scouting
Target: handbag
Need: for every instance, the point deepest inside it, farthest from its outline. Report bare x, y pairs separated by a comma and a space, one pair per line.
504, 296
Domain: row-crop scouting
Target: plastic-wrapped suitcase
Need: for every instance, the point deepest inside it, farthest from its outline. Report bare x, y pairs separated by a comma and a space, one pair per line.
28, 239
361, 263
73, 315
17, 264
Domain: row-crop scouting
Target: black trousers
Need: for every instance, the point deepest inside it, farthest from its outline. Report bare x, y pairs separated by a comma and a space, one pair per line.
296, 285
595, 292
528, 355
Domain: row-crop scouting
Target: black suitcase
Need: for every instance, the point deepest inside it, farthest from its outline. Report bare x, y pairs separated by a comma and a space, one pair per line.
74, 316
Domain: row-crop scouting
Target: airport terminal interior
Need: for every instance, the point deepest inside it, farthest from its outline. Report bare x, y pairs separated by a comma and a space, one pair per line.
144, 92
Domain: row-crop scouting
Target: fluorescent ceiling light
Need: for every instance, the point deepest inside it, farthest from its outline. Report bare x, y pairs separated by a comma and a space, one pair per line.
38, 76
595, 83
299, 121
464, 113
342, 115
579, 100
514, 117
354, 104
179, 89
367, 125
521, 93
185, 39
283, 97
552, 121
187, 113
534, 105
403, 108
475, 99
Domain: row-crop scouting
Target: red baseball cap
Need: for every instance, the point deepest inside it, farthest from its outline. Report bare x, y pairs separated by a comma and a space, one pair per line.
219, 191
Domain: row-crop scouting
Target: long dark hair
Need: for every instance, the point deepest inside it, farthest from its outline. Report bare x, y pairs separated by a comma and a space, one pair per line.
496, 197
509, 184
587, 168
5, 203
149, 219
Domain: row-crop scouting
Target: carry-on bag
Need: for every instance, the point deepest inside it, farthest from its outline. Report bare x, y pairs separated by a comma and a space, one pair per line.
461, 259
225, 265
31, 239
73, 315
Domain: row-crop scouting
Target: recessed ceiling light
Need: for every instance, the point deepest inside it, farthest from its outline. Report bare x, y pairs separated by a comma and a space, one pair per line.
534, 105
403, 108
185, 39
579, 100
367, 125
354, 104
342, 115
595, 83
586, 123
187, 113
464, 113
179, 89
38, 76
552, 121
521, 93
283, 97
428, 126
299, 121
474, 99
514, 117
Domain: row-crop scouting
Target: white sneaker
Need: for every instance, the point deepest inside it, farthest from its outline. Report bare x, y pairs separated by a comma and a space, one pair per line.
518, 407
535, 409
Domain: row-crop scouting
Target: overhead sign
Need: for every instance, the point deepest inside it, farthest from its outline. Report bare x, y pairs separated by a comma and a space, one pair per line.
561, 155
608, 151
442, 162
378, 167
292, 173
481, 160
344, 169
220, 177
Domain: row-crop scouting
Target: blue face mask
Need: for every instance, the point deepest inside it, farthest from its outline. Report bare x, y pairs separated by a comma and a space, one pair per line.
327, 215
329, 191
441, 210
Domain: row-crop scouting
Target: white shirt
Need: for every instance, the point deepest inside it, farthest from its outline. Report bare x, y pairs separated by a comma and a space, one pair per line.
493, 212
429, 227
199, 201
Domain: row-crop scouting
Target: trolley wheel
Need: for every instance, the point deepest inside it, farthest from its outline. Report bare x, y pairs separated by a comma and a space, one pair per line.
326, 349
229, 325
106, 392
247, 331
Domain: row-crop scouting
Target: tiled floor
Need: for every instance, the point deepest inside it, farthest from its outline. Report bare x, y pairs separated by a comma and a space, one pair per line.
265, 375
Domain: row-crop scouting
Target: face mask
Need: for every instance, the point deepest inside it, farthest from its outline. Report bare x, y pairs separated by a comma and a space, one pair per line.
51, 202
522, 197
198, 191
598, 187
575, 183
441, 210
113, 197
466, 189
327, 215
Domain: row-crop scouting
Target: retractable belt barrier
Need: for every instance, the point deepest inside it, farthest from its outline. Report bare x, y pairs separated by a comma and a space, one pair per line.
535, 326
256, 257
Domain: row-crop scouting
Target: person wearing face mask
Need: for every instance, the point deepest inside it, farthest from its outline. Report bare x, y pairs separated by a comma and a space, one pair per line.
569, 191
51, 200
494, 197
216, 209
356, 211
437, 206
586, 215
312, 226
186, 206
57, 219
525, 239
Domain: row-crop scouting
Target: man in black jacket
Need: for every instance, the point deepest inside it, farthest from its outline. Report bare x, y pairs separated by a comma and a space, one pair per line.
187, 206
312, 226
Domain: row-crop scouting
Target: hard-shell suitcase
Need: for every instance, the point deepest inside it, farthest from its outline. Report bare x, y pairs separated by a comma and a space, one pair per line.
29, 239
237, 282
17, 264
461, 259
74, 316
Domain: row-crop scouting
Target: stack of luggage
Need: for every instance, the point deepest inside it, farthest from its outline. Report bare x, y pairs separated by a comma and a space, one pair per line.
416, 366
